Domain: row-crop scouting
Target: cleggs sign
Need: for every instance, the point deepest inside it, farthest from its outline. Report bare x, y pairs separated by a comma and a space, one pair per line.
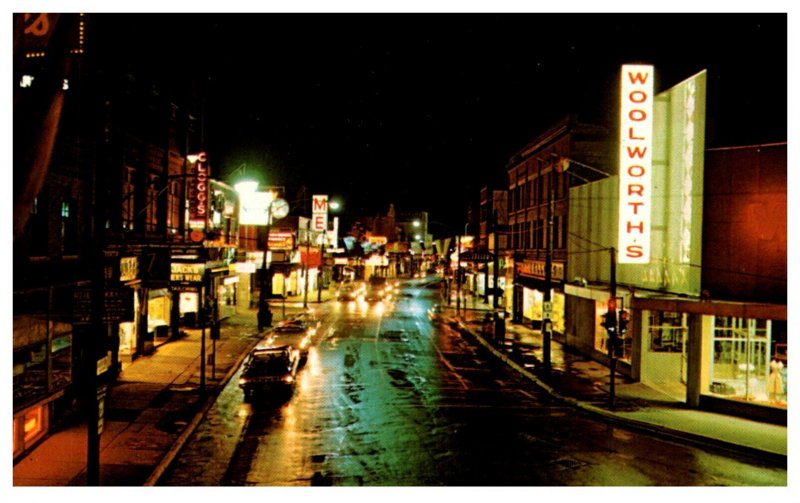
198, 191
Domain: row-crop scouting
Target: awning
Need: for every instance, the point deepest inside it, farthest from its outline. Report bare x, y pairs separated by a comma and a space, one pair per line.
477, 257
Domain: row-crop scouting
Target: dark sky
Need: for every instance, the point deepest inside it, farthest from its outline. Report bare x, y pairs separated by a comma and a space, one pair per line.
422, 110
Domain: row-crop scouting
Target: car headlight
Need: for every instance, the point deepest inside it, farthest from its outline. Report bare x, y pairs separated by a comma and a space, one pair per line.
288, 379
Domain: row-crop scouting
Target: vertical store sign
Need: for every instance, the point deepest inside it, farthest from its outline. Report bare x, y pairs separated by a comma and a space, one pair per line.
636, 164
198, 191
319, 214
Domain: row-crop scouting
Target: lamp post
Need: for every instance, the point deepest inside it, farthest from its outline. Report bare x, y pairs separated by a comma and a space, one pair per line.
449, 231
559, 164
305, 265
333, 205
276, 208
264, 314
547, 305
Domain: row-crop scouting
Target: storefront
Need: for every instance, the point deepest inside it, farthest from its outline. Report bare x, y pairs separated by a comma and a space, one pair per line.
159, 305
749, 361
186, 283
723, 356
528, 297
42, 370
228, 295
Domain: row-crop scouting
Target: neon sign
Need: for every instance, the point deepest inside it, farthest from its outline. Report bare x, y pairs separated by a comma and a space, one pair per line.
636, 164
198, 192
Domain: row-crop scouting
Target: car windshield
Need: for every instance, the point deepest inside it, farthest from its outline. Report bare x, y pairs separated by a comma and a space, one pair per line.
295, 327
268, 364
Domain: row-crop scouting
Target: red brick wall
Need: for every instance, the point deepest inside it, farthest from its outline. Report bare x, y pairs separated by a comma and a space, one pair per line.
744, 223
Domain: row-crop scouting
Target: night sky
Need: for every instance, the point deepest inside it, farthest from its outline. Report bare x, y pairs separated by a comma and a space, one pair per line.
422, 110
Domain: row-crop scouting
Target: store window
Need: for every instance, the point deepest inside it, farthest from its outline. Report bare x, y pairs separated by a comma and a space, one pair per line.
746, 365
668, 331
61, 356
30, 373
601, 338
32, 424
29, 426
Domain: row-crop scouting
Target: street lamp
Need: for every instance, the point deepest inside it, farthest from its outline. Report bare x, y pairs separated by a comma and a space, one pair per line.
335, 206
264, 314
276, 208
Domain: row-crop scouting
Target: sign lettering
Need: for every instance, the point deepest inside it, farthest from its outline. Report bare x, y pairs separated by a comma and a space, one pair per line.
635, 169
198, 192
319, 213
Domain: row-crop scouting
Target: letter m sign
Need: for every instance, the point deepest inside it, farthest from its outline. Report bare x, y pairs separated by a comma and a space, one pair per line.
319, 204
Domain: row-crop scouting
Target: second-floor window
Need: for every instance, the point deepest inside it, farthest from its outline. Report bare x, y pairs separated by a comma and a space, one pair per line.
69, 227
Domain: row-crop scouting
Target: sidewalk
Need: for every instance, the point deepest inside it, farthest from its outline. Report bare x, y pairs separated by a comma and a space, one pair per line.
584, 383
151, 410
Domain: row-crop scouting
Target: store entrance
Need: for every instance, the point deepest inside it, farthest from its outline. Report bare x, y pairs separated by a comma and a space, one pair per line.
664, 353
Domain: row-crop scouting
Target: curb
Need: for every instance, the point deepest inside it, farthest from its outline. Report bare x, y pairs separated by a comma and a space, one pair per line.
658, 430
169, 457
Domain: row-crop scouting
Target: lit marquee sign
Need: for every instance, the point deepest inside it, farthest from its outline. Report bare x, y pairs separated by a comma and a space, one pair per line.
636, 164
254, 208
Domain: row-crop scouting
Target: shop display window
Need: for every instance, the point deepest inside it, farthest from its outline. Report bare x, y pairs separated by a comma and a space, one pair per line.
746, 365
29, 426
61, 355
30, 373
32, 424
668, 331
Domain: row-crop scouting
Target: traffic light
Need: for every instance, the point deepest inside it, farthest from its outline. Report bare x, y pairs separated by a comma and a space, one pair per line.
624, 318
609, 322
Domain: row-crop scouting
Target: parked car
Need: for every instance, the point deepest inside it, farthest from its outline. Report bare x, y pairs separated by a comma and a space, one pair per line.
310, 319
269, 371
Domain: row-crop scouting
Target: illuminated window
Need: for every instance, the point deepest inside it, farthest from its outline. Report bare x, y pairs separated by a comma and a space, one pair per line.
667, 331
745, 364
32, 424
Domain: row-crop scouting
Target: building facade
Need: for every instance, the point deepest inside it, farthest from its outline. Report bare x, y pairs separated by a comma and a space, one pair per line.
539, 178
125, 239
707, 306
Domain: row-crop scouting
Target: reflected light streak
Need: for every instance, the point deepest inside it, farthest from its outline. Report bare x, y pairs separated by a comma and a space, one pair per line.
313, 367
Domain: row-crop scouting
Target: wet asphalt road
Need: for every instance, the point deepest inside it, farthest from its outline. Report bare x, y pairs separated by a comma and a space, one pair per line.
388, 398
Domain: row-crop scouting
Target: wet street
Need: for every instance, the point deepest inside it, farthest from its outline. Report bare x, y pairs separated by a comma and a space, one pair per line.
388, 398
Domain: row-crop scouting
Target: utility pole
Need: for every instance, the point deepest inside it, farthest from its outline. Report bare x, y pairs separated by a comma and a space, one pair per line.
612, 325
458, 275
264, 314
547, 305
321, 269
499, 321
305, 264
203, 316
